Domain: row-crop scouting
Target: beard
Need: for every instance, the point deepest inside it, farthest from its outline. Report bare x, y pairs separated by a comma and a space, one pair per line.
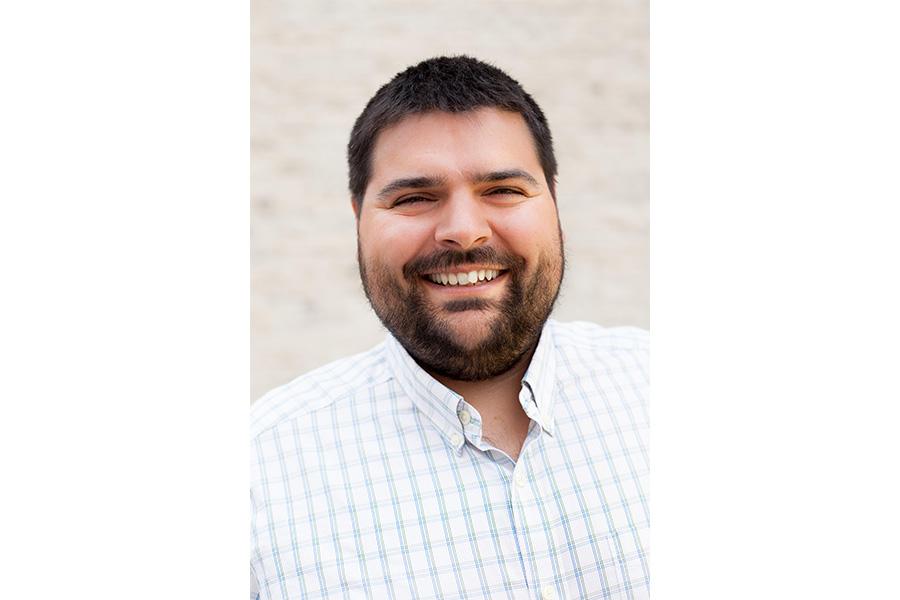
428, 336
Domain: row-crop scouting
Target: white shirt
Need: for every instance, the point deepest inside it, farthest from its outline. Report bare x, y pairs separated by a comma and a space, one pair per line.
369, 478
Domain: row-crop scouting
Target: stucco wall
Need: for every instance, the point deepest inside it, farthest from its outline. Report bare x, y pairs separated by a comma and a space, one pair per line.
314, 66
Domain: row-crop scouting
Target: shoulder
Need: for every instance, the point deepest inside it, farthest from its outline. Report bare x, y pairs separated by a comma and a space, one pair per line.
583, 335
587, 350
608, 367
318, 389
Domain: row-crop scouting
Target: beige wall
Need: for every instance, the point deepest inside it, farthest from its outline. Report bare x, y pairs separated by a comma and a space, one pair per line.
314, 66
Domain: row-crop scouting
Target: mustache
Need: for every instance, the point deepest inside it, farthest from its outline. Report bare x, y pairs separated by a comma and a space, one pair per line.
442, 260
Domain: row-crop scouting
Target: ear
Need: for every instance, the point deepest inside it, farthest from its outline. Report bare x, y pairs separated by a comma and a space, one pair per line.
355, 208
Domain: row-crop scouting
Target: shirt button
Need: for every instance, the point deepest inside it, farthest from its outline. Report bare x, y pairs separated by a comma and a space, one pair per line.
465, 417
547, 593
520, 479
456, 439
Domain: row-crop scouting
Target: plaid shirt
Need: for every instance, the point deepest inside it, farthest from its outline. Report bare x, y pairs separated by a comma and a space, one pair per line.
369, 479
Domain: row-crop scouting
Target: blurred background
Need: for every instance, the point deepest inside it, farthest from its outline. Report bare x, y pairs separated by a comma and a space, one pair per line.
314, 65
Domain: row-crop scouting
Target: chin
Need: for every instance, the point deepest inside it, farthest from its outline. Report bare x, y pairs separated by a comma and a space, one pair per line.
468, 341
470, 328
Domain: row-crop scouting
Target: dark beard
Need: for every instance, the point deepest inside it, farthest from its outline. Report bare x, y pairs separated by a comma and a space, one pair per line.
426, 336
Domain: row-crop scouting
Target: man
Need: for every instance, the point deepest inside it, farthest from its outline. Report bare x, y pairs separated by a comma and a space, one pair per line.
482, 450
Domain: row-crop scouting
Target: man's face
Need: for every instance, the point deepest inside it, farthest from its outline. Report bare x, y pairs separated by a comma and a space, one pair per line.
455, 193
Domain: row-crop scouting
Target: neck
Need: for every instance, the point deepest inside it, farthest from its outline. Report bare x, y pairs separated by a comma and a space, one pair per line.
504, 423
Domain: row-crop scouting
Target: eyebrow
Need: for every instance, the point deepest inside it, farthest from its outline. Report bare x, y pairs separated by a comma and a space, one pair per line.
405, 183
409, 183
506, 174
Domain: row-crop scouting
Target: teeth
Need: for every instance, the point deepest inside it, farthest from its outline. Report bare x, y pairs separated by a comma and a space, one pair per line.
470, 278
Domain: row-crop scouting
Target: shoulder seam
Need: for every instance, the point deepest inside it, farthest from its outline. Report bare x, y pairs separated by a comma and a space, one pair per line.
304, 409
630, 338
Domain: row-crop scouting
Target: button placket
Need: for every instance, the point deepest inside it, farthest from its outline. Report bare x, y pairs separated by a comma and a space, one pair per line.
520, 477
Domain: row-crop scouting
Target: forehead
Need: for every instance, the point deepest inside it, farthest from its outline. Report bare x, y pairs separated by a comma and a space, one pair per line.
448, 144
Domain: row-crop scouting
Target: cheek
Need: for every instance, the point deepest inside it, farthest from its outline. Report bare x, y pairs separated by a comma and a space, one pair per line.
391, 242
531, 231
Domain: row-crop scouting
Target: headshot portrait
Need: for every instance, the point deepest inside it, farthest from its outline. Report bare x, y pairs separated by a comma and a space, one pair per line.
445, 215
450, 382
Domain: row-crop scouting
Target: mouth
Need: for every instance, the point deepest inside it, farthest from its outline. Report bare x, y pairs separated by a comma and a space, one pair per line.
470, 278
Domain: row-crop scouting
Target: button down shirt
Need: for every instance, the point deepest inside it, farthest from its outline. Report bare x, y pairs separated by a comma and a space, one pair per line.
370, 479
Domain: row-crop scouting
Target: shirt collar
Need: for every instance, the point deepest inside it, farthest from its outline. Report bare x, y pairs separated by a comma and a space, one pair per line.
436, 401
441, 405
540, 380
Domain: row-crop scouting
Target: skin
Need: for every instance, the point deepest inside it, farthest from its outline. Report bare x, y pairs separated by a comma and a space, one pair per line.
444, 184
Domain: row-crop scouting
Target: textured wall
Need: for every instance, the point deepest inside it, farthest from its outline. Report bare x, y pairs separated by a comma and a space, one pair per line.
314, 66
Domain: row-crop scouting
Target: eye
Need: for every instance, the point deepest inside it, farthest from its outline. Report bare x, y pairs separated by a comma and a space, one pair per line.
505, 191
408, 200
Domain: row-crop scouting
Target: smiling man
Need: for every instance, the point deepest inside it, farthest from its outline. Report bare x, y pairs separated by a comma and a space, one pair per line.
483, 450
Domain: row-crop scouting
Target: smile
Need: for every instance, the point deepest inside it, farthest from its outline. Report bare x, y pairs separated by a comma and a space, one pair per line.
464, 278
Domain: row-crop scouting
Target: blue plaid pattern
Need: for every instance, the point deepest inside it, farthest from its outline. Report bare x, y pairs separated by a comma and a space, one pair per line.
370, 479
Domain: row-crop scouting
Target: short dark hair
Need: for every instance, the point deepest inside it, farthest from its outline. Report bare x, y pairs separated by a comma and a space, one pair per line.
449, 84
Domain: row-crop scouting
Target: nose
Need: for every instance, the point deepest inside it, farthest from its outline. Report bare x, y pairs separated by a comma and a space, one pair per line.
463, 223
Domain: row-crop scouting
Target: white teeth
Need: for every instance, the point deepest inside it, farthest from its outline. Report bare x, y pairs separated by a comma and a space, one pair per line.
470, 278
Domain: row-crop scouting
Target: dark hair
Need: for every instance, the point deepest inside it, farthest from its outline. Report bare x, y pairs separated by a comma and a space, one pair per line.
449, 84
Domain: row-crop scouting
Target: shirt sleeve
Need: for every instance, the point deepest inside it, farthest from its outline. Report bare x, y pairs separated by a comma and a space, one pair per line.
254, 583
254, 586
